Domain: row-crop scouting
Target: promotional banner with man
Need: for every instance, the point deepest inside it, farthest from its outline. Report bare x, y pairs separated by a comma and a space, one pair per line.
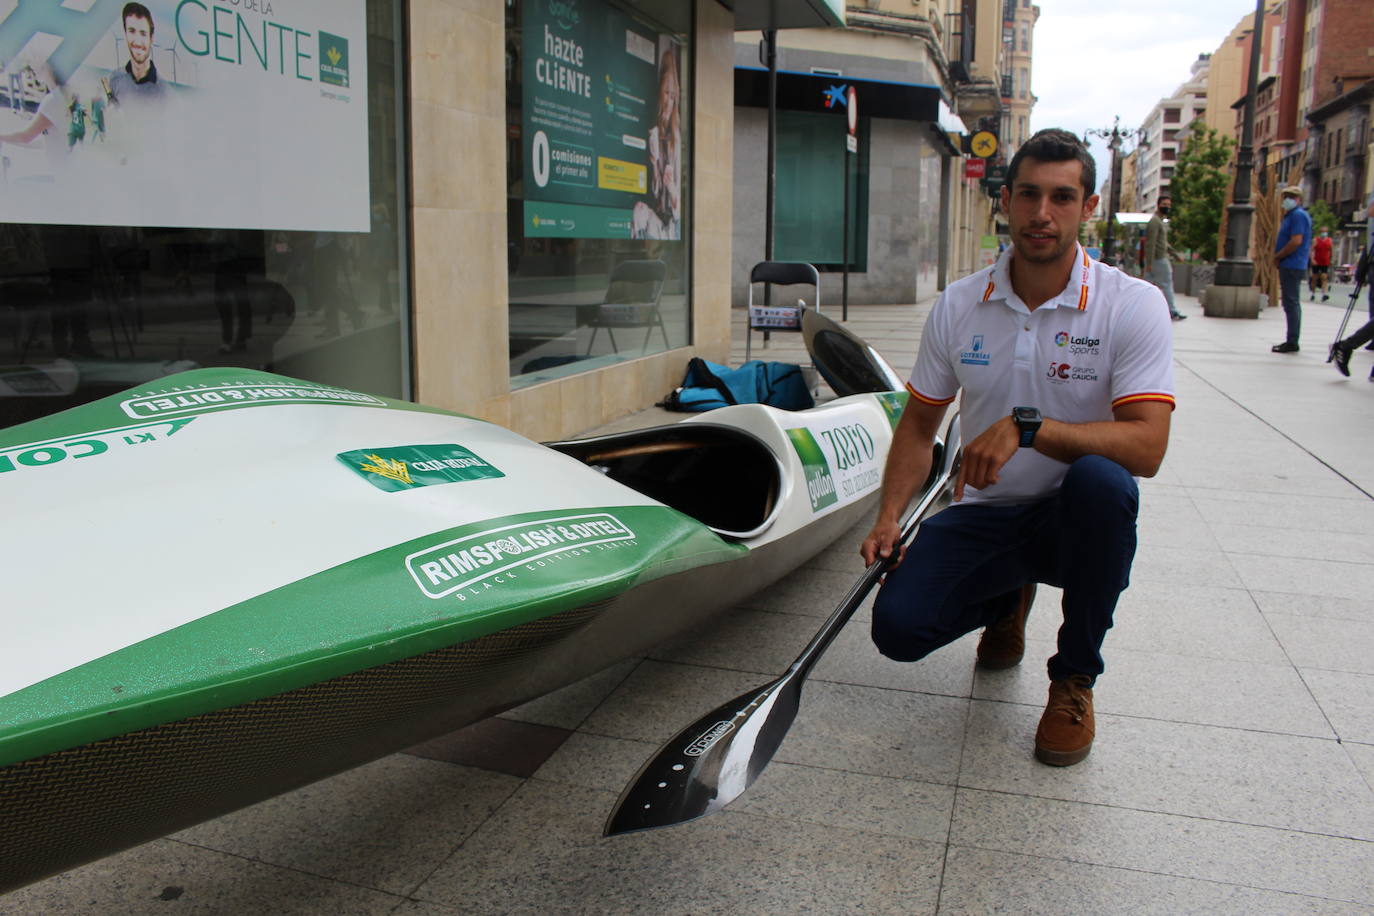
233, 114
602, 128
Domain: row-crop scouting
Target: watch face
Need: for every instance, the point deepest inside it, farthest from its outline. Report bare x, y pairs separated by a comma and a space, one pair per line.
1026, 415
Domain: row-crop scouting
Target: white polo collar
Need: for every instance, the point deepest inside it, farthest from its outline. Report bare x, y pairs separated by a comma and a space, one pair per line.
1075, 295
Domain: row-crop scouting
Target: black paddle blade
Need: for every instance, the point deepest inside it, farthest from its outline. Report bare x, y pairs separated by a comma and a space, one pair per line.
711, 762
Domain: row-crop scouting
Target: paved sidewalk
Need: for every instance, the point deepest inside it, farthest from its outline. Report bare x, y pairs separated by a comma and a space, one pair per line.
1233, 771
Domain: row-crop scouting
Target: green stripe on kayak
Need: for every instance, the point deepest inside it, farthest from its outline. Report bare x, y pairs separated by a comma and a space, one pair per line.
159, 404
429, 593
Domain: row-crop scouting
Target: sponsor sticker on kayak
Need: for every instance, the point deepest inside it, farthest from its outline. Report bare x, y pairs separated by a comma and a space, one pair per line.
409, 467
207, 398
85, 445
892, 403
840, 461
820, 486
490, 558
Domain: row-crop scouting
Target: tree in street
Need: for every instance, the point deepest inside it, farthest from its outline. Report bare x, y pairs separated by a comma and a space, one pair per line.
1199, 189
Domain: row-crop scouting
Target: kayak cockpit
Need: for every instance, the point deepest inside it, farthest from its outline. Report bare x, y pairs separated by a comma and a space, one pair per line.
723, 477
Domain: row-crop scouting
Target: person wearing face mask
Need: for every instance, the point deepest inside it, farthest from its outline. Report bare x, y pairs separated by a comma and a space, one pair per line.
1158, 253
1321, 266
1292, 250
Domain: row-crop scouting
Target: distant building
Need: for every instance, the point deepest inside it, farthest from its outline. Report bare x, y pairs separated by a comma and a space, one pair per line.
1018, 42
1160, 141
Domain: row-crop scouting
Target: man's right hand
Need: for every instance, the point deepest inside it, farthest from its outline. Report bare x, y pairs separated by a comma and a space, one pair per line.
881, 543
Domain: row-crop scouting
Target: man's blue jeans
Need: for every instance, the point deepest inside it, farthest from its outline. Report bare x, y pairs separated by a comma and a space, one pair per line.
1290, 290
964, 567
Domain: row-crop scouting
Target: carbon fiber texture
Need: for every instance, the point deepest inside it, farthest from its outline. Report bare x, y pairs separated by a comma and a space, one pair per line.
80, 804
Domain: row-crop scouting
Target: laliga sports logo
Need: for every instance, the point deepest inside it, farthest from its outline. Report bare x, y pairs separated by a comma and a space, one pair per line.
1061, 339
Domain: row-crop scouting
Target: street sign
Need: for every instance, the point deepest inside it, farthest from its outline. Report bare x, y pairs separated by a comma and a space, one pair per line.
975, 168
984, 144
851, 143
852, 111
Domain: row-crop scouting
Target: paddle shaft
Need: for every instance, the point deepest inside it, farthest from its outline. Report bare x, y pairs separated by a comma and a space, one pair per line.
871, 576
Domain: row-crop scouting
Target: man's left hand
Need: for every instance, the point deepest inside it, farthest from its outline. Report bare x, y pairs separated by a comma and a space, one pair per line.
984, 457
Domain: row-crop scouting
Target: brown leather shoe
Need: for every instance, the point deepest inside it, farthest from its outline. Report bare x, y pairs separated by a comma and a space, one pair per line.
1065, 735
1004, 642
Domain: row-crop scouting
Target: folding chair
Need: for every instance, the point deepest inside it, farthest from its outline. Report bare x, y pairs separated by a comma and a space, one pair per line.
768, 318
632, 301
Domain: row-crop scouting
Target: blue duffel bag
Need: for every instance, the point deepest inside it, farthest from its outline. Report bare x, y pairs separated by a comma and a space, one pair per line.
709, 385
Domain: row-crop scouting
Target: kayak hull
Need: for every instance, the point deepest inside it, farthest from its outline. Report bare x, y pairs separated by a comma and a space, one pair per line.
406, 636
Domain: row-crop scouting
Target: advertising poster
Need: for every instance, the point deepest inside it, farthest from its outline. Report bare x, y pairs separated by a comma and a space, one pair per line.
601, 127
228, 114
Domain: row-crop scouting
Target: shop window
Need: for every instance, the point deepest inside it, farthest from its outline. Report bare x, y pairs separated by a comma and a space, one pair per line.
598, 228
812, 158
176, 197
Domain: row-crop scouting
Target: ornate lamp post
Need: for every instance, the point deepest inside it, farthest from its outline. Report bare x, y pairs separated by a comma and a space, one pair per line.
1113, 138
1231, 295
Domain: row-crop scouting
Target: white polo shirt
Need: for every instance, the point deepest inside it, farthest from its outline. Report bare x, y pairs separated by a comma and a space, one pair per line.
1106, 340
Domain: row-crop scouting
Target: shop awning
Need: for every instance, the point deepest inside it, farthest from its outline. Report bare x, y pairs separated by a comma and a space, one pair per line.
786, 14
809, 91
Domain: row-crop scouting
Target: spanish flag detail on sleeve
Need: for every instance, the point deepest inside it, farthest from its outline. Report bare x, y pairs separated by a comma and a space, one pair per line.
934, 402
1145, 396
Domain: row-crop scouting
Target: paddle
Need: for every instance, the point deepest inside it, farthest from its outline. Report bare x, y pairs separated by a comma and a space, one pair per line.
715, 759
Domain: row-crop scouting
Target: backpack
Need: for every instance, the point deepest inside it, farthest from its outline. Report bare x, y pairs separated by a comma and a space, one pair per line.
708, 385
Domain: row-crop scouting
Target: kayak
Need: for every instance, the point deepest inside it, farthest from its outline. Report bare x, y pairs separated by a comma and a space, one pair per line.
225, 584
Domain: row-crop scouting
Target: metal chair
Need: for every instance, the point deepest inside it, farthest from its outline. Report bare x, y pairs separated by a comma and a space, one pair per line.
632, 301
768, 318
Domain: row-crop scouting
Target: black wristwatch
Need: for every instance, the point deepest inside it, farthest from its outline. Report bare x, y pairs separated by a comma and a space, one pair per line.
1027, 419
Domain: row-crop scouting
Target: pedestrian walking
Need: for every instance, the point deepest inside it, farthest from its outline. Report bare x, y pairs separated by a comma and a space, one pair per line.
1320, 276
1292, 250
1046, 491
1158, 254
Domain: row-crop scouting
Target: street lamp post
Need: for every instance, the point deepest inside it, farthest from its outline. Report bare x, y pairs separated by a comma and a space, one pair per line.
1231, 295
1113, 138
1235, 267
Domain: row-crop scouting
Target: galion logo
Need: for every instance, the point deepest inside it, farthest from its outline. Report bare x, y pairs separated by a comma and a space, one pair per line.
1061, 339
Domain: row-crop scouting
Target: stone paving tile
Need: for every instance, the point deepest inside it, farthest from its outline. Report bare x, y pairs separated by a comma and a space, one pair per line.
1257, 778
1182, 847
570, 706
1233, 694
1307, 577
1356, 608
1273, 541
385, 825
1348, 701
1030, 886
1324, 642
168, 876
1199, 622
543, 853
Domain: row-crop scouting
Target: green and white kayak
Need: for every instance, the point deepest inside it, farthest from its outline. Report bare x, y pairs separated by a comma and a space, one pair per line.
225, 584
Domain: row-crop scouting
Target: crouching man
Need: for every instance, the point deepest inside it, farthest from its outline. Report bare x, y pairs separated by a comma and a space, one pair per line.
1066, 370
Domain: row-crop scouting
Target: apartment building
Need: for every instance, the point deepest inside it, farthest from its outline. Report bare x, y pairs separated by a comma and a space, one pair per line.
1161, 142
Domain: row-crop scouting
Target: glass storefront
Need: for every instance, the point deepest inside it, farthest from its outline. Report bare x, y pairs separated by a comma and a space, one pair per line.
188, 185
598, 183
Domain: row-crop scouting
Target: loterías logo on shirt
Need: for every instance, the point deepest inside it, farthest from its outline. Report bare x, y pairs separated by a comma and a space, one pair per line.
975, 355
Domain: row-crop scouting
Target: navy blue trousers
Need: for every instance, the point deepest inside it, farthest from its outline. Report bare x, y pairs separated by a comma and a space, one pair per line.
966, 564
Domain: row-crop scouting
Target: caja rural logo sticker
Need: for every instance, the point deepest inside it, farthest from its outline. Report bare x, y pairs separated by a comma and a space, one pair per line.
409, 467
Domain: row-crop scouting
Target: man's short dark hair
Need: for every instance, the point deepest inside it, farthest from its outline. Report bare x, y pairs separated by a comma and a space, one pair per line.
1056, 145
138, 11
